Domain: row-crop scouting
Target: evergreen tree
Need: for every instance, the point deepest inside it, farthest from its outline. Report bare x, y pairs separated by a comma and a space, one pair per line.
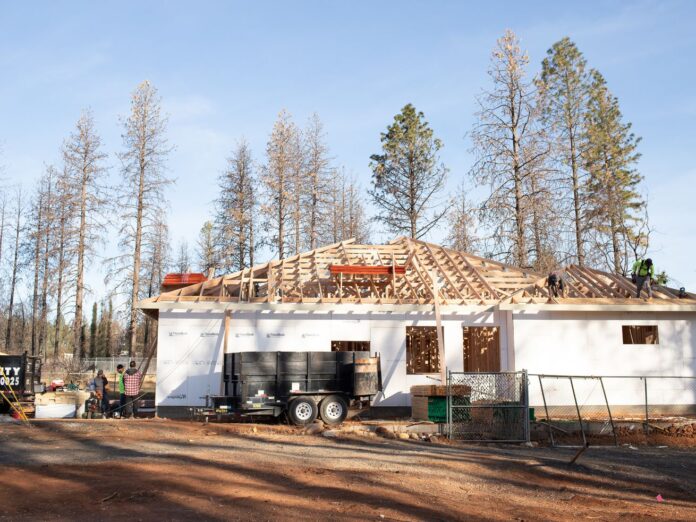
407, 176
610, 155
564, 88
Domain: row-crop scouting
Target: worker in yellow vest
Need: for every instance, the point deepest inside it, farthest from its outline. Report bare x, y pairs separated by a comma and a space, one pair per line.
643, 274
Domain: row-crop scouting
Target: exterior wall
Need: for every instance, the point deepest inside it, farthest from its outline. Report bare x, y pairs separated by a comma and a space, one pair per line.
591, 343
190, 349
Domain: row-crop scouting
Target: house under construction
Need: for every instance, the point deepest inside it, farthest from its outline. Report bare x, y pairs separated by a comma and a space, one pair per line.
391, 298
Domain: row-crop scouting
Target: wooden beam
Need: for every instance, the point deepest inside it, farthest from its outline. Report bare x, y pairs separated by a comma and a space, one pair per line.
491, 290
438, 326
228, 315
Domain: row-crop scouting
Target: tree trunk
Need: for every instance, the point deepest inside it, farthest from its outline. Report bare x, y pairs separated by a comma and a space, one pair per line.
132, 327
79, 290
520, 240
251, 235
59, 283
44, 281
37, 269
580, 248
13, 283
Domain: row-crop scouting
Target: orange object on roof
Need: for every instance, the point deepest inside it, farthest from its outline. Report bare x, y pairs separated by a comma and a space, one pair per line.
367, 269
186, 279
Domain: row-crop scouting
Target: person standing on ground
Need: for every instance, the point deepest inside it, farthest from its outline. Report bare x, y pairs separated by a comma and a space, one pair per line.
99, 386
131, 382
643, 274
121, 388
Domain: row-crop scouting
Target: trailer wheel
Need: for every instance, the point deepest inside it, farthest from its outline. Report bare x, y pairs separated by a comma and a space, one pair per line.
333, 409
302, 411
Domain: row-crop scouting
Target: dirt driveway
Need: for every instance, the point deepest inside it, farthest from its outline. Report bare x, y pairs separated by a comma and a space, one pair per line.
166, 470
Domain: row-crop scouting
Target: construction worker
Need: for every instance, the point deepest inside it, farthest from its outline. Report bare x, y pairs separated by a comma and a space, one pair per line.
555, 284
643, 274
120, 369
131, 381
99, 386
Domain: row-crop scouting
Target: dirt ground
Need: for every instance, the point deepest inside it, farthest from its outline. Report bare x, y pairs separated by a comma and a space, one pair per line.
167, 470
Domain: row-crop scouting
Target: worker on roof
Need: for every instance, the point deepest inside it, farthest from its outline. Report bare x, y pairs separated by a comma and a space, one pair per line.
643, 274
555, 284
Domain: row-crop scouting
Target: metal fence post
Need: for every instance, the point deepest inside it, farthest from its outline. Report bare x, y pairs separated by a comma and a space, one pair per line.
611, 420
546, 409
525, 388
449, 405
577, 407
647, 417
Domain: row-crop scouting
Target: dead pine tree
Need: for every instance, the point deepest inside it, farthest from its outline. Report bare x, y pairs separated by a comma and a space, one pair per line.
64, 252
206, 248
298, 189
183, 260
407, 176
315, 181
236, 218
84, 161
3, 220
46, 252
461, 221
17, 228
35, 227
277, 184
511, 150
141, 193
356, 224
156, 250
346, 216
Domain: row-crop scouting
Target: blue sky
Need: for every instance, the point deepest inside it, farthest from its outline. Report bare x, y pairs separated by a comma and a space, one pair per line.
224, 70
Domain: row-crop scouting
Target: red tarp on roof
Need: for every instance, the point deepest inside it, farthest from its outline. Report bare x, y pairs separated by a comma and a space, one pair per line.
191, 278
367, 269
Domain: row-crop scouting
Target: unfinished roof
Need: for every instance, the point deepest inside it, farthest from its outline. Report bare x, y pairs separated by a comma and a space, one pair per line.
405, 271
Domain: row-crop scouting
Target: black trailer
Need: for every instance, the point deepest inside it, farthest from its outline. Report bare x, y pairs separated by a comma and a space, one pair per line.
305, 385
20, 376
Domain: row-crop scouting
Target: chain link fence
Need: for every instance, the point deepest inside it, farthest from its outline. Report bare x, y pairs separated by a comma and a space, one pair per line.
109, 364
488, 407
573, 409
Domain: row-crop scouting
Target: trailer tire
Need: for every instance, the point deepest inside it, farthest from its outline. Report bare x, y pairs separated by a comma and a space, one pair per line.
333, 409
303, 411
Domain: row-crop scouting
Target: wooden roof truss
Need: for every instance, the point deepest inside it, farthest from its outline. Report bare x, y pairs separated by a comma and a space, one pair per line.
460, 278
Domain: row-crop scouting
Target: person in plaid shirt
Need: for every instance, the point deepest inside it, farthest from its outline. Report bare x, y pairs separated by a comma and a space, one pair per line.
131, 382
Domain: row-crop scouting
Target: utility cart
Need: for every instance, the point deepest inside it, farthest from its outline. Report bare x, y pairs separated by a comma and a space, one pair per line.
305, 385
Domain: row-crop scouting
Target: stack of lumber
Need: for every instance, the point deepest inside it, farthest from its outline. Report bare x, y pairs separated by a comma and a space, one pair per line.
439, 390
